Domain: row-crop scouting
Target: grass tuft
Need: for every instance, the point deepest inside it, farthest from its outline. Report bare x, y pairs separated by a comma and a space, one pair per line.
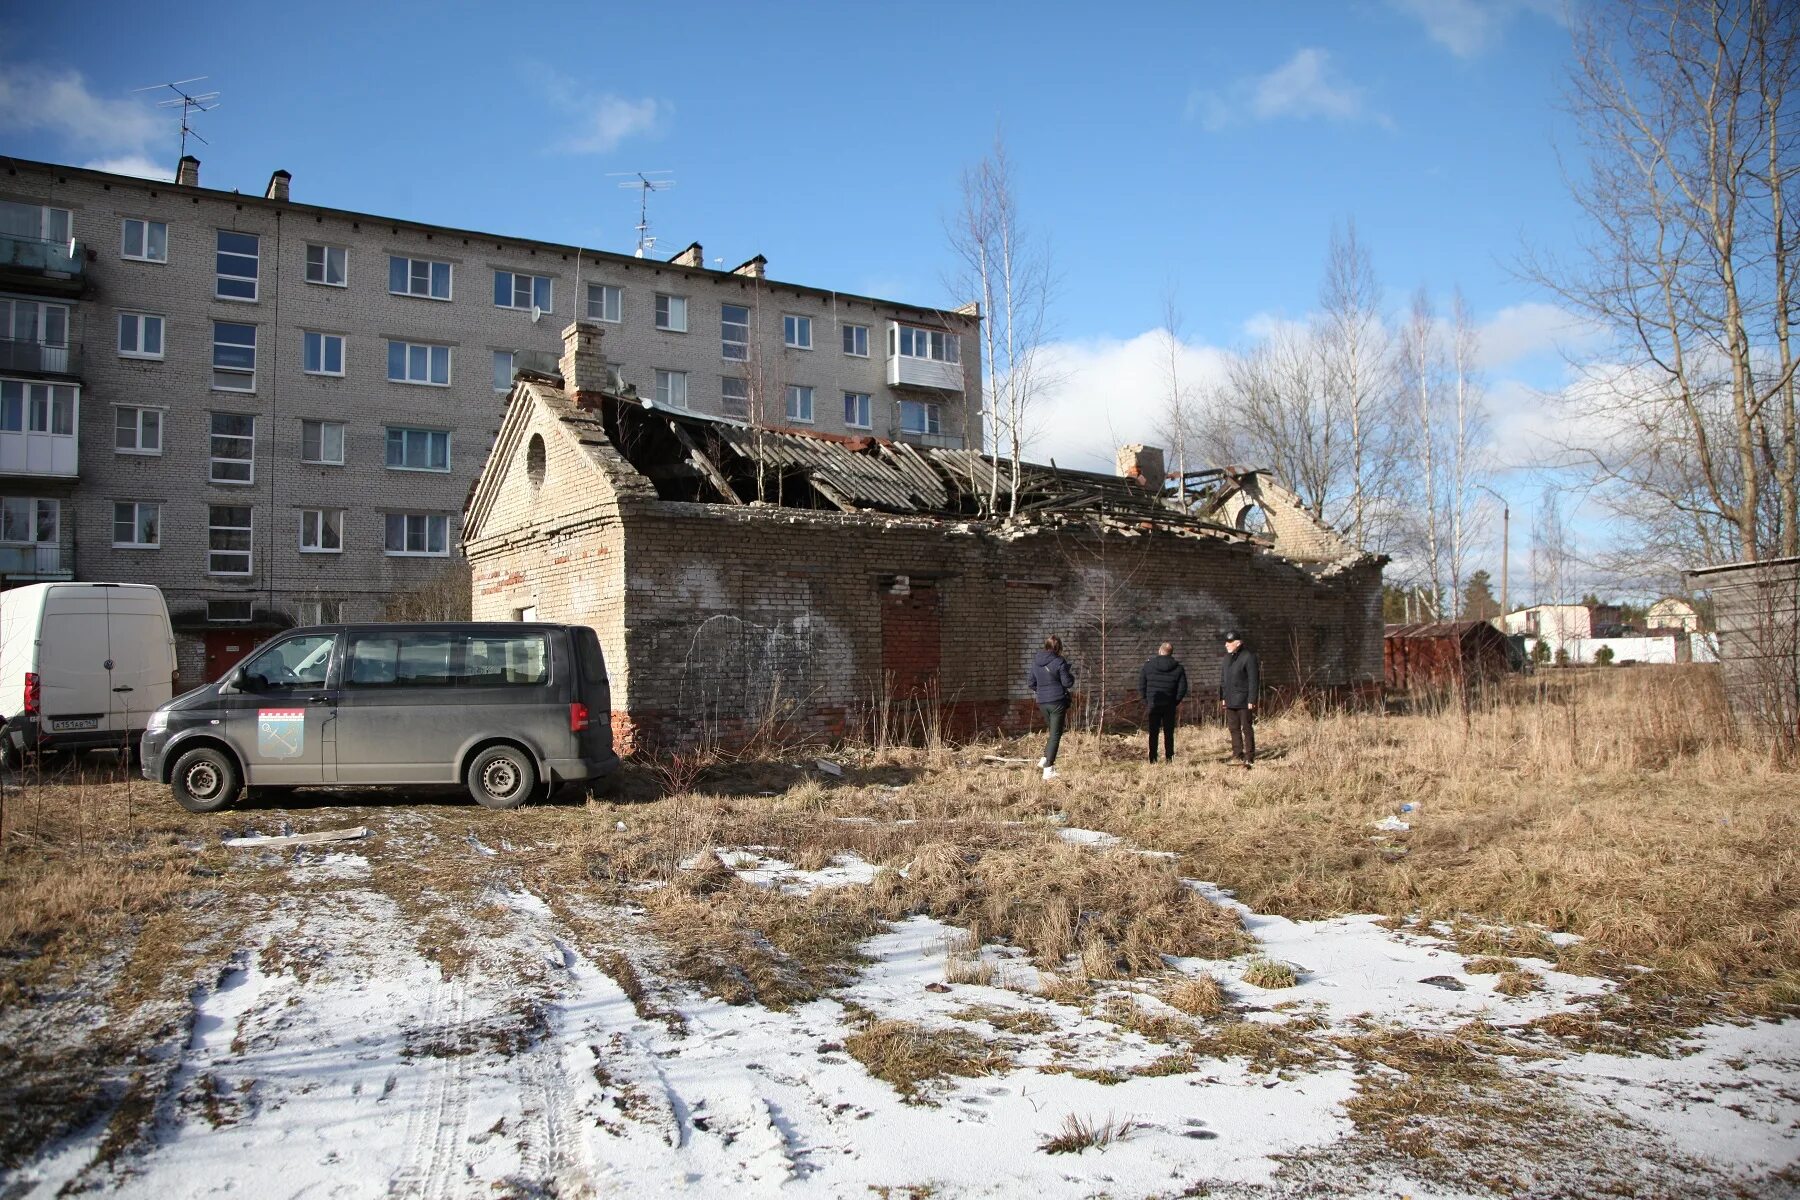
913, 1058
1078, 1134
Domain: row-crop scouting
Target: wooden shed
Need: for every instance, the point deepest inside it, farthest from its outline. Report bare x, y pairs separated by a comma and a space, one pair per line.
1444, 654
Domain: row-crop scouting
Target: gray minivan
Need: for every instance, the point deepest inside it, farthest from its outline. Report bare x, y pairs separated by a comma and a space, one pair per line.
510, 710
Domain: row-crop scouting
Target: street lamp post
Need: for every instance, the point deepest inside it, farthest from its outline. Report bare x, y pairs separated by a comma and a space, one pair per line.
1505, 552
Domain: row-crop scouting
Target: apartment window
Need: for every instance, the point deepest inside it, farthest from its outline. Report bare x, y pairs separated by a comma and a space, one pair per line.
233, 448
418, 277
418, 533
858, 410
734, 332
934, 344
236, 263
137, 524
605, 302
146, 241
322, 353
137, 430
856, 340
322, 442
920, 418
796, 332
318, 612
228, 534
799, 403
513, 290
671, 313
321, 530
734, 395
35, 221
672, 389
38, 332
228, 612
503, 370
414, 362
327, 265
37, 407
234, 357
29, 520
140, 335
418, 449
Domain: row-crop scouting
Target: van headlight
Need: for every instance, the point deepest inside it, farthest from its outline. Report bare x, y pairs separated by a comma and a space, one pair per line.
159, 721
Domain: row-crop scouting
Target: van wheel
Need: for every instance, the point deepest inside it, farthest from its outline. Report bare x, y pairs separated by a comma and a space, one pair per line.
205, 780
502, 777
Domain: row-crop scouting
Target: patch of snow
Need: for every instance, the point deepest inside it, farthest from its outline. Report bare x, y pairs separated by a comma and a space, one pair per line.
754, 864
1087, 837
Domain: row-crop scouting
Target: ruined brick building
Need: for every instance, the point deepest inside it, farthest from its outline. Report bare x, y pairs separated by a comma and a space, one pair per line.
733, 571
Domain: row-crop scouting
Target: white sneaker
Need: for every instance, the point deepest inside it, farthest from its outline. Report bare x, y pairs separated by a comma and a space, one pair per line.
1050, 773
1041, 762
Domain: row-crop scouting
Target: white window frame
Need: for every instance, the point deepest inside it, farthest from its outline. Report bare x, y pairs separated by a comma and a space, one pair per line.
867, 407
513, 279
137, 428
793, 395
726, 402
325, 339
668, 384
854, 334
939, 345
139, 322
796, 331
318, 528
137, 524
387, 441
665, 311
343, 265
405, 530
509, 356
35, 406
407, 364
40, 505
429, 293
212, 610
249, 555
214, 459
608, 291
933, 414
732, 349
248, 374
221, 278
144, 224
342, 431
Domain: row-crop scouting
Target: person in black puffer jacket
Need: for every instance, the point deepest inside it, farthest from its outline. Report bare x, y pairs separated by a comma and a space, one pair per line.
1163, 684
1050, 680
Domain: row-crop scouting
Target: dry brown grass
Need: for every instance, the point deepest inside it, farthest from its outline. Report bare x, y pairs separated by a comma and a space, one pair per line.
1084, 1133
1270, 975
912, 1057
1195, 995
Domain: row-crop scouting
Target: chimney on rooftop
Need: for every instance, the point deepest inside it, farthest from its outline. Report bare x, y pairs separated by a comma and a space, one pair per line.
187, 171
278, 186
693, 256
584, 373
1143, 464
754, 269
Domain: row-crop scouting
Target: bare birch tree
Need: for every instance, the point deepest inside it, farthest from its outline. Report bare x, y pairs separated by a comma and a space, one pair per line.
1178, 416
1687, 115
1423, 368
1467, 435
1356, 372
1009, 272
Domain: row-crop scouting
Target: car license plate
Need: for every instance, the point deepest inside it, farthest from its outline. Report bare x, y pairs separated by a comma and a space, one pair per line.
77, 723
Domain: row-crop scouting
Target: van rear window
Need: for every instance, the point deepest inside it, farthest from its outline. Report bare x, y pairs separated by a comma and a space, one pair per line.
438, 659
587, 655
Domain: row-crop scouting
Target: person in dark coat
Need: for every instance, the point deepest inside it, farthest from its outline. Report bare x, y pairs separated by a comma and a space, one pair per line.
1240, 687
1163, 683
1050, 680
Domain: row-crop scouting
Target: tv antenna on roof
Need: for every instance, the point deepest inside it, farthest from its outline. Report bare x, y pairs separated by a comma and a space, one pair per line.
189, 103
644, 184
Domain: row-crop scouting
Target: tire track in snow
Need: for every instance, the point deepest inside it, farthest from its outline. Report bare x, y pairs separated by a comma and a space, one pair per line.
438, 1128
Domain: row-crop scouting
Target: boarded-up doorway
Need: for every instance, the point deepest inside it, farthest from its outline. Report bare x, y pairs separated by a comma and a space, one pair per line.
910, 641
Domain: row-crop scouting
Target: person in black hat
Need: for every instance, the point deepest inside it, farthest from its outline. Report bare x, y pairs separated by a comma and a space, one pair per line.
1163, 683
1240, 685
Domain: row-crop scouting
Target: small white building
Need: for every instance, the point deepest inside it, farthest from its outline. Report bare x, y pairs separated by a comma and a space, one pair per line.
1672, 612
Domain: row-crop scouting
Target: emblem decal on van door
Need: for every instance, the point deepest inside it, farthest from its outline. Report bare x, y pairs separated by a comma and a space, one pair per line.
280, 732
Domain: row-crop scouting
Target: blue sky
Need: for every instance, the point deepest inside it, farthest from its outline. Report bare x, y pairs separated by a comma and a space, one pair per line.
1204, 148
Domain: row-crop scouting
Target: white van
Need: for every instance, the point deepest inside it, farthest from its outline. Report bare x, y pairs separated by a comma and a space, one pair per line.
82, 664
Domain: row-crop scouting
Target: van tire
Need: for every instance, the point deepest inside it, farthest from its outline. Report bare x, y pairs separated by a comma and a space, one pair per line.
502, 777
205, 780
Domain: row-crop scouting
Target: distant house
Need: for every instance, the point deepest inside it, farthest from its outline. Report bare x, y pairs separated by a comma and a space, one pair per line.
1671, 612
1577, 633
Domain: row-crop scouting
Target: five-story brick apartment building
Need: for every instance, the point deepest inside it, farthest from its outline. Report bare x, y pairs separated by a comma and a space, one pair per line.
275, 411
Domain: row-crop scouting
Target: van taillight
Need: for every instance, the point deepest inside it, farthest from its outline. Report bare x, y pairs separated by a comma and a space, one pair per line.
578, 715
33, 693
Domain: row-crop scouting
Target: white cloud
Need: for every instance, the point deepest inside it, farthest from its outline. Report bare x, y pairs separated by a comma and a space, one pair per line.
37, 99
132, 164
602, 121
1303, 87
1523, 331
1467, 28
